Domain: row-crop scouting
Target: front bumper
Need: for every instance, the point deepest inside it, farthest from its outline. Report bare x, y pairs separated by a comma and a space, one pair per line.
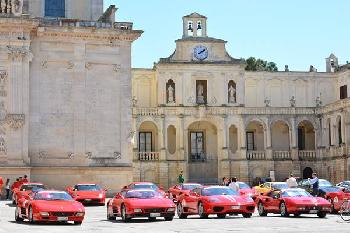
304, 209
92, 200
51, 218
148, 215
215, 208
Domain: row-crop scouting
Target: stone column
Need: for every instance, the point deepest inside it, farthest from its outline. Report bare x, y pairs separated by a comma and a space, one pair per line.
294, 135
268, 148
162, 135
242, 141
180, 133
225, 138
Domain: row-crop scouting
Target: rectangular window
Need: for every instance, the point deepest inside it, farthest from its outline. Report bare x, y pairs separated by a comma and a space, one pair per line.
250, 141
55, 8
197, 146
301, 138
343, 92
145, 142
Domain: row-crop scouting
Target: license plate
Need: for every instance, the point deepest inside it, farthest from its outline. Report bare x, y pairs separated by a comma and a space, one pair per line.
313, 211
87, 199
154, 215
62, 218
235, 207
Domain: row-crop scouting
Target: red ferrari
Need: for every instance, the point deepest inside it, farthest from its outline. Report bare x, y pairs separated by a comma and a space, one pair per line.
140, 203
144, 185
294, 201
246, 190
49, 206
88, 193
25, 189
219, 200
175, 191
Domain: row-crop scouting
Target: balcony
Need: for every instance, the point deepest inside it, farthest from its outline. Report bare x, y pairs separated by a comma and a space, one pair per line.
282, 155
198, 157
309, 155
256, 155
146, 156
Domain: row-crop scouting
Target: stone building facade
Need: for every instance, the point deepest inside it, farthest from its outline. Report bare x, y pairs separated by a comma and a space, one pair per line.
199, 111
65, 93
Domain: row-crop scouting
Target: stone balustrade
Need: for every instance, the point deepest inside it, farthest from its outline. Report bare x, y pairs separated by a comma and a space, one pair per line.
256, 155
123, 25
11, 7
146, 156
281, 155
307, 155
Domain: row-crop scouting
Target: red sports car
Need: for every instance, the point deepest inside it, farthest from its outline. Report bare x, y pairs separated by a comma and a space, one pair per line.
88, 193
25, 189
50, 206
246, 190
144, 185
140, 203
175, 191
294, 201
219, 200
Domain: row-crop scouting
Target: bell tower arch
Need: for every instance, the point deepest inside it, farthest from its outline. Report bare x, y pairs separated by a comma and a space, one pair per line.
194, 25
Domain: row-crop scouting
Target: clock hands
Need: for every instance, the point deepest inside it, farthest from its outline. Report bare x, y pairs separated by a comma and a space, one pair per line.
202, 51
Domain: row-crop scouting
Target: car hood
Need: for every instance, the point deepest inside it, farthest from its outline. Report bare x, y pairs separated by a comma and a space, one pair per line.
53, 206
229, 199
154, 202
329, 189
88, 194
307, 200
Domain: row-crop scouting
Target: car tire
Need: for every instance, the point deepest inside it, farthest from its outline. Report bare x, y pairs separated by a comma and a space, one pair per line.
169, 218
221, 215
261, 209
30, 215
247, 215
125, 217
283, 210
322, 214
296, 215
201, 212
180, 211
17, 217
109, 217
78, 222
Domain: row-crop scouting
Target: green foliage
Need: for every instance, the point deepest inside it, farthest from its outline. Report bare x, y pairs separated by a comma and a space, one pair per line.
254, 64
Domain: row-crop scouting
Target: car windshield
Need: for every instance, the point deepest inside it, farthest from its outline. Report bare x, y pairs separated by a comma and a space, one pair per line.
53, 196
32, 187
296, 193
190, 186
142, 194
243, 185
325, 183
146, 186
87, 187
280, 186
218, 191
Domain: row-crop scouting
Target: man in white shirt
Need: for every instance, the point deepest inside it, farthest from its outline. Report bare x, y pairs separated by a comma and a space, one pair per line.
292, 182
233, 185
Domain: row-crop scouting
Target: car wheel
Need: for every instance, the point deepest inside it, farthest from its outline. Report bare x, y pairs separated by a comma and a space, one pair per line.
169, 218
109, 216
13, 199
283, 210
247, 215
17, 217
332, 204
30, 215
180, 211
322, 214
201, 211
261, 209
221, 215
125, 217
78, 222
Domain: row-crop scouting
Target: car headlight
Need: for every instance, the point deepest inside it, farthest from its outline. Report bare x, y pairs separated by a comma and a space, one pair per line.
100, 195
171, 209
44, 214
335, 200
80, 214
137, 210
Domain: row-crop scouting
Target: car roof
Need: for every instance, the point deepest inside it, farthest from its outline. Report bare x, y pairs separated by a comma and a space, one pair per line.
138, 190
216, 186
51, 191
141, 183
293, 189
86, 184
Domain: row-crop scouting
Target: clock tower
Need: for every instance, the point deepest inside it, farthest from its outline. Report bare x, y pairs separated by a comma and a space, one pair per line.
194, 25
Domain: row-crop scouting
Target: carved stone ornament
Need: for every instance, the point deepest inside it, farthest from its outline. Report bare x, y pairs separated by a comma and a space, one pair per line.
117, 68
3, 150
15, 121
267, 102
42, 154
3, 77
88, 66
292, 101
3, 111
191, 100
44, 64
17, 52
88, 155
70, 65
70, 155
17, 7
117, 155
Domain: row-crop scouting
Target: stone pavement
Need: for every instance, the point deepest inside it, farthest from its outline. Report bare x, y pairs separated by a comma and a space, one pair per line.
96, 222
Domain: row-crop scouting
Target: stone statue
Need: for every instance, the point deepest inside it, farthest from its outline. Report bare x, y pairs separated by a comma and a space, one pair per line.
292, 101
200, 91
318, 102
267, 102
170, 94
231, 94
3, 6
286, 68
17, 7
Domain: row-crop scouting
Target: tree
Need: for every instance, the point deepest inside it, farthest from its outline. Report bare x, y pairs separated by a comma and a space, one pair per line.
254, 64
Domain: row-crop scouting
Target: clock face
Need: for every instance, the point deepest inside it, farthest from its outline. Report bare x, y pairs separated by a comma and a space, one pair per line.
200, 52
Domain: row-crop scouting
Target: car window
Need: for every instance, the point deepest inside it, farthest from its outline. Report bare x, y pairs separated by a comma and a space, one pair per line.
88, 187
266, 185
243, 185
34, 187
212, 191
142, 194
190, 186
53, 196
296, 193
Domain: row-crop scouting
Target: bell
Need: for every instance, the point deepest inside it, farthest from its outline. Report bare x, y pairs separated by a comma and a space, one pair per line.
190, 28
199, 26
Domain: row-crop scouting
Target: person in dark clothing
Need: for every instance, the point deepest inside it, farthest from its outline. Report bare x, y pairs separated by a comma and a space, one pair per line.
7, 188
315, 184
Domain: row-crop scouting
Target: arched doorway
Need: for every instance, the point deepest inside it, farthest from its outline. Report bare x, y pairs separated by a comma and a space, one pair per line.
307, 173
255, 136
202, 152
280, 136
306, 136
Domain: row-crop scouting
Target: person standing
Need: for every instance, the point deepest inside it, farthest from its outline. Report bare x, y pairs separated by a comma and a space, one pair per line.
315, 184
1, 183
292, 182
233, 185
7, 188
25, 179
181, 178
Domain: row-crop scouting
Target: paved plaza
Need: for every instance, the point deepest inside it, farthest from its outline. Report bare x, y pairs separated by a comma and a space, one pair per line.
96, 222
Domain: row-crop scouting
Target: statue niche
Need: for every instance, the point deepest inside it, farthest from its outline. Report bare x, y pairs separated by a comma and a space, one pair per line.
231, 91
170, 92
201, 91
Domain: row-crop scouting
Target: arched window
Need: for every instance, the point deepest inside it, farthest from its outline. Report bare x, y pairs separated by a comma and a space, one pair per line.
340, 139
231, 92
55, 8
170, 92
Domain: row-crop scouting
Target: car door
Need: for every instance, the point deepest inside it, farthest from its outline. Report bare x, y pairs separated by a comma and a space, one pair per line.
192, 200
275, 201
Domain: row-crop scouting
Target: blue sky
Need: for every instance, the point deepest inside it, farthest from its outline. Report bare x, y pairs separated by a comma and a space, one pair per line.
299, 33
